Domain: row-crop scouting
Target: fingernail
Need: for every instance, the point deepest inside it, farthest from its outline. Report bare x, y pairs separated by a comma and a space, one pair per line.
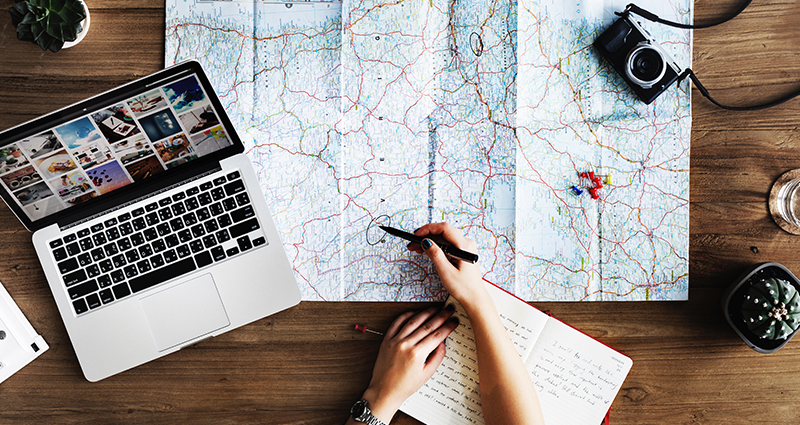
450, 307
454, 320
426, 243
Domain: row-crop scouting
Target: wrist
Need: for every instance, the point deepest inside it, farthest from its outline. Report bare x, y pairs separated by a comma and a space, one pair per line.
478, 304
382, 407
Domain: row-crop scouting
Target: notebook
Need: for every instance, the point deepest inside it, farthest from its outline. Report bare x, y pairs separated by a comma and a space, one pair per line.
148, 220
576, 377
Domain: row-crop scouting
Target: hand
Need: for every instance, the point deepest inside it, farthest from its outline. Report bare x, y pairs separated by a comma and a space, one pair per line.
410, 353
460, 278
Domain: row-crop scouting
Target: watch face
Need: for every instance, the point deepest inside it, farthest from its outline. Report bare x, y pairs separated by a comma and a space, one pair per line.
358, 409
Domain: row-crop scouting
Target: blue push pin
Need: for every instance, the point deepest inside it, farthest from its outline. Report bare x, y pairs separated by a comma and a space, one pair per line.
576, 191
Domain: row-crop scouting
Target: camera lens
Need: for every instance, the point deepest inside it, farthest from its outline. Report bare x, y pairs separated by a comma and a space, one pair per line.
646, 65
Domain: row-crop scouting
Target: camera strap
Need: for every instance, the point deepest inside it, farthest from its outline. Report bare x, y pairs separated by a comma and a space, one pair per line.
632, 8
689, 73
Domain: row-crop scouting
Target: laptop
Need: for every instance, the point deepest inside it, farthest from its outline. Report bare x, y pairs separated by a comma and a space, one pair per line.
148, 220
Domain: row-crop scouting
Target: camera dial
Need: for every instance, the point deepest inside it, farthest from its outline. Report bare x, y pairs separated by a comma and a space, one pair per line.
645, 65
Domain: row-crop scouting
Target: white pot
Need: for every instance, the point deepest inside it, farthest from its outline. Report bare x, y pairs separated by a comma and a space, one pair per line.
84, 30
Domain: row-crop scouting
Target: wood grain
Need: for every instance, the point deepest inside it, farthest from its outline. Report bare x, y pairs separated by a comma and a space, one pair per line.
307, 366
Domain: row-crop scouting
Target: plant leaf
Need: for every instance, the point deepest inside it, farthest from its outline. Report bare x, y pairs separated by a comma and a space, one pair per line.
28, 19
70, 32
56, 45
18, 11
57, 5
44, 42
37, 29
73, 15
54, 29
24, 33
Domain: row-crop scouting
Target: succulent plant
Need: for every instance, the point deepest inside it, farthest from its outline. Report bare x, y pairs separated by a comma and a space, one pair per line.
48, 23
771, 309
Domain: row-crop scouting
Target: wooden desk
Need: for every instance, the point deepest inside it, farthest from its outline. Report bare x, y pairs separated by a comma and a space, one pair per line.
307, 366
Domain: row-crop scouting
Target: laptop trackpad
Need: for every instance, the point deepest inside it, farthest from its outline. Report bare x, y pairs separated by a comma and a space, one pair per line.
184, 312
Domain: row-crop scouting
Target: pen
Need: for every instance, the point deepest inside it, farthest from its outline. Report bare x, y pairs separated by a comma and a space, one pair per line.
448, 249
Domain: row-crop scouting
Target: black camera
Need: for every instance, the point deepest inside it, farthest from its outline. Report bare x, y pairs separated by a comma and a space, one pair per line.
638, 58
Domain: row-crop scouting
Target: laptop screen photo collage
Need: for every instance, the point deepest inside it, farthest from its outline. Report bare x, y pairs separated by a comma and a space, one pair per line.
111, 148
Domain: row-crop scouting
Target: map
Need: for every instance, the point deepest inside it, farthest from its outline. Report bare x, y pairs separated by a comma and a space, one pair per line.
490, 115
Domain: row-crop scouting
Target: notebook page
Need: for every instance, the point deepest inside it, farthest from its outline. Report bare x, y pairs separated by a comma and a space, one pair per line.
576, 377
452, 395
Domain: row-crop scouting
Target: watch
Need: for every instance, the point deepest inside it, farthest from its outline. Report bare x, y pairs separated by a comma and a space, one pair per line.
360, 413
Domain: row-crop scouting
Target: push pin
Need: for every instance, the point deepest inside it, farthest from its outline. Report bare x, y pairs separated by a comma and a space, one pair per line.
592, 182
364, 328
576, 191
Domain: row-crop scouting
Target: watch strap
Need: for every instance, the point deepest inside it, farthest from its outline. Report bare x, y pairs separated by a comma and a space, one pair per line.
367, 417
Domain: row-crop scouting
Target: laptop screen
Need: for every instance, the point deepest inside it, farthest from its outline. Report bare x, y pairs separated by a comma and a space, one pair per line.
110, 145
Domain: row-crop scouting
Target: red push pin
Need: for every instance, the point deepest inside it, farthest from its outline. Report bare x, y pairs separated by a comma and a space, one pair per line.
593, 192
364, 328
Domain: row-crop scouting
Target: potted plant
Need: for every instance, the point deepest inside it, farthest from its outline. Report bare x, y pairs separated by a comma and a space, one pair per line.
52, 24
763, 307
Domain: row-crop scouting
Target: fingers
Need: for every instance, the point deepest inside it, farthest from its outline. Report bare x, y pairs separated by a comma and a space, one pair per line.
414, 322
448, 233
434, 339
398, 323
439, 259
435, 359
420, 325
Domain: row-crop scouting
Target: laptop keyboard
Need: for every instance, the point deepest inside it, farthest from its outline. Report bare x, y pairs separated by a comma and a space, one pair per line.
169, 236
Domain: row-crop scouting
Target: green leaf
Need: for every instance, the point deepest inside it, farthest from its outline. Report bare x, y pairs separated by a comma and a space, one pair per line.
56, 45
41, 14
55, 31
54, 19
73, 15
44, 42
28, 19
70, 32
37, 29
24, 33
57, 5
18, 11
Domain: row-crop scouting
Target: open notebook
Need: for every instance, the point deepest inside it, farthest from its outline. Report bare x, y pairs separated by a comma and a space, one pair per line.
576, 377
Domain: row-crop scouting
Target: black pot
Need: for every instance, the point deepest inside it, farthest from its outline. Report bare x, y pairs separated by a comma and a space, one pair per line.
733, 298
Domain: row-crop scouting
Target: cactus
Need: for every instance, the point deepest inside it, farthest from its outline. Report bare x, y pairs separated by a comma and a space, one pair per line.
771, 309
48, 23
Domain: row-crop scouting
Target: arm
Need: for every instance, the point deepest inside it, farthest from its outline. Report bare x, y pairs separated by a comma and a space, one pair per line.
507, 392
410, 353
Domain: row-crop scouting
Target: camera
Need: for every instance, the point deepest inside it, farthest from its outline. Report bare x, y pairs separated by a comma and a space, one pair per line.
638, 58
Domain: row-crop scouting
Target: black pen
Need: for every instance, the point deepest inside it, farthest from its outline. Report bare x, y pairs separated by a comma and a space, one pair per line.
448, 249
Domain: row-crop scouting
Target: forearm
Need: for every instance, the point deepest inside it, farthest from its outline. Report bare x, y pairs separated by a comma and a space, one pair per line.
507, 392
381, 408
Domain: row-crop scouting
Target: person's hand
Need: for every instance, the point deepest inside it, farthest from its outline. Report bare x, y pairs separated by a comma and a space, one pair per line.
461, 279
410, 353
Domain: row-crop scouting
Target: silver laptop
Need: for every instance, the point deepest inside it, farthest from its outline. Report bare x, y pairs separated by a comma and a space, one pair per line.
148, 220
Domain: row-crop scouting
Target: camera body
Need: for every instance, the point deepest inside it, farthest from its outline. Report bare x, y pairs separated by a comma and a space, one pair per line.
638, 58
